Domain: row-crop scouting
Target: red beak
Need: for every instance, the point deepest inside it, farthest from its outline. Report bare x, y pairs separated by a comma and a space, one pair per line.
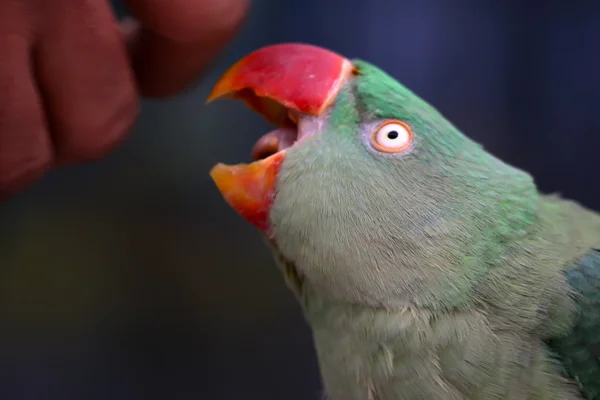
285, 76
271, 81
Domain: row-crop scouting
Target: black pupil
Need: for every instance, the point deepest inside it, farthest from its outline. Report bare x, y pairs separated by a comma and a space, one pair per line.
392, 135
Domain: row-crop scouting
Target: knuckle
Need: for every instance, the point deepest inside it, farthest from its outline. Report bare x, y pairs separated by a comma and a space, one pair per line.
179, 21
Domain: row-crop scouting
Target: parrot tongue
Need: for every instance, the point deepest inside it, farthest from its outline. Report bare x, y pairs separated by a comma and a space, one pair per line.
274, 141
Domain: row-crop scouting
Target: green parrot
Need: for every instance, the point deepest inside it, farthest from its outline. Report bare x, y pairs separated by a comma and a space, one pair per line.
426, 267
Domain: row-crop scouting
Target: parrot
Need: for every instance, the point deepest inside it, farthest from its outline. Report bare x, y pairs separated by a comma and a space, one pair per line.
425, 266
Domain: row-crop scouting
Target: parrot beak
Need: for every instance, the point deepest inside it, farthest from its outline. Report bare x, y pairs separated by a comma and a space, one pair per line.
249, 188
281, 82
293, 76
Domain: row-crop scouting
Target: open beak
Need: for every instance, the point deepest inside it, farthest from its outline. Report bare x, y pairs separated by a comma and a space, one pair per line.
281, 82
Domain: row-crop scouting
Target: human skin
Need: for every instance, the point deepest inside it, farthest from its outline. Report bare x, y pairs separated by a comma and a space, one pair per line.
71, 75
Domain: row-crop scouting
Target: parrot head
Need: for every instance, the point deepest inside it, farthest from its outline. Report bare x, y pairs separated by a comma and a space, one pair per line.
368, 191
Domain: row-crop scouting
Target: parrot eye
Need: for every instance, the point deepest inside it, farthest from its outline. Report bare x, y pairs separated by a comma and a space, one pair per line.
392, 137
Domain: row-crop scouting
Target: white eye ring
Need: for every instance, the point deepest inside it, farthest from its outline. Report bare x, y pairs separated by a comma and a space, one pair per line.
392, 137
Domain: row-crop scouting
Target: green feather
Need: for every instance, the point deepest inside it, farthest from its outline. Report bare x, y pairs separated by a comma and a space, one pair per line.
579, 350
434, 274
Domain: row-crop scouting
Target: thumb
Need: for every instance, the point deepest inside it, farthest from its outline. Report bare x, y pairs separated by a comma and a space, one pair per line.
177, 39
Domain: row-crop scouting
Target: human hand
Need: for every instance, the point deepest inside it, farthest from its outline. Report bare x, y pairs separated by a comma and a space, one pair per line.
71, 75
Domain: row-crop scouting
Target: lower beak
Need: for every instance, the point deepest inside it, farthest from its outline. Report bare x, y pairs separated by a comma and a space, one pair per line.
250, 188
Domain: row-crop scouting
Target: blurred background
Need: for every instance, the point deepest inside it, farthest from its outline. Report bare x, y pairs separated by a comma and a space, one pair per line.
130, 278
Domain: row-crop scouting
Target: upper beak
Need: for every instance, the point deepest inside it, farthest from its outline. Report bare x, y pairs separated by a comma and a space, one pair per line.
293, 76
272, 81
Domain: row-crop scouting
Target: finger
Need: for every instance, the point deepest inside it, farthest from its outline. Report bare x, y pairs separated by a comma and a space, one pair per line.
25, 146
179, 39
86, 80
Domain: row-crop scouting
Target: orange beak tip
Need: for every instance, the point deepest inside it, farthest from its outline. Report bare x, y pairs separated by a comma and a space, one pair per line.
249, 188
218, 93
221, 175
